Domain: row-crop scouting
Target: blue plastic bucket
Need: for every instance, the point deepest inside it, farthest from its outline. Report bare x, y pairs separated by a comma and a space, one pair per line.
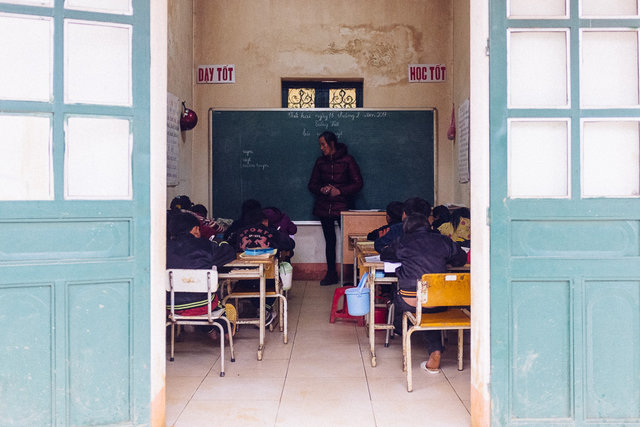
358, 298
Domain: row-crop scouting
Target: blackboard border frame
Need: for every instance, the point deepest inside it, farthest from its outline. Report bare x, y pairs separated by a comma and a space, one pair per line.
315, 222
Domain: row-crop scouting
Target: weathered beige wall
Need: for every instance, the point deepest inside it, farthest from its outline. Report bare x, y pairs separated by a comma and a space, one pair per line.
374, 40
461, 86
180, 83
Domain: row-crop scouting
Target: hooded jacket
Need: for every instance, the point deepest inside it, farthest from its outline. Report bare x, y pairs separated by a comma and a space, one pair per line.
422, 252
340, 170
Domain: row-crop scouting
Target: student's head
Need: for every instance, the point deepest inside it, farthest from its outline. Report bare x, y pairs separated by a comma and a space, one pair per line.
183, 223
439, 216
181, 202
414, 222
416, 205
441, 213
327, 142
250, 205
394, 212
255, 217
200, 210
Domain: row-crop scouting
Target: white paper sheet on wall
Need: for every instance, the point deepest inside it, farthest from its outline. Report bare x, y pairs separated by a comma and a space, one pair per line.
463, 142
173, 136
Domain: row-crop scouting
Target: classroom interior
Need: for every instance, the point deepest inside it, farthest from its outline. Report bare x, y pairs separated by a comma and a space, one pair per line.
368, 41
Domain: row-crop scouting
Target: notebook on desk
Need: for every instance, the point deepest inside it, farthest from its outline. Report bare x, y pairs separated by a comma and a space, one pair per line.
258, 253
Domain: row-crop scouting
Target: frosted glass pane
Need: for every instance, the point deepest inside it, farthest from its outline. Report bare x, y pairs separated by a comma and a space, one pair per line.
108, 6
25, 150
609, 8
98, 158
538, 9
609, 75
610, 158
538, 159
98, 63
538, 69
26, 49
29, 2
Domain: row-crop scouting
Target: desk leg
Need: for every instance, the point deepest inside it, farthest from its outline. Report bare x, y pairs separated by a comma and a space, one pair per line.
355, 267
372, 318
263, 287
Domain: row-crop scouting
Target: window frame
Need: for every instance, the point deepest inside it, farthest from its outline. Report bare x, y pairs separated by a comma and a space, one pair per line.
322, 90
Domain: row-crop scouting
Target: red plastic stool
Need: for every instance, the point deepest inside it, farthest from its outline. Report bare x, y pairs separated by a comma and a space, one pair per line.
344, 312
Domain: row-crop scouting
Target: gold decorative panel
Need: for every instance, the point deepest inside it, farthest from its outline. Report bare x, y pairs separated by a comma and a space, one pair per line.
342, 98
301, 98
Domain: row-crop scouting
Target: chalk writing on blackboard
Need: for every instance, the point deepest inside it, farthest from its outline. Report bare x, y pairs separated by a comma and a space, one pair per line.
248, 162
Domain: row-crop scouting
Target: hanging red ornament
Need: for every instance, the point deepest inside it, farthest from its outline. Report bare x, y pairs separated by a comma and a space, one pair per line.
451, 133
188, 118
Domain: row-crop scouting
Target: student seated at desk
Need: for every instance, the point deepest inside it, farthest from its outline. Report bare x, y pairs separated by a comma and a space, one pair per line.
209, 228
421, 251
394, 216
459, 228
414, 205
281, 222
258, 234
249, 205
187, 250
440, 215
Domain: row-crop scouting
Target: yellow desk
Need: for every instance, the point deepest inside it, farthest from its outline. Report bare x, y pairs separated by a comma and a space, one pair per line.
262, 268
365, 249
354, 239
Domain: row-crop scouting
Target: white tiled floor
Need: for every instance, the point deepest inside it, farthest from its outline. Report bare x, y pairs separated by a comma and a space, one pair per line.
322, 377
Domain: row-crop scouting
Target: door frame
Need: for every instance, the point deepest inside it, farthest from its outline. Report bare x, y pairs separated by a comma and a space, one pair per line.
480, 191
158, 205
479, 188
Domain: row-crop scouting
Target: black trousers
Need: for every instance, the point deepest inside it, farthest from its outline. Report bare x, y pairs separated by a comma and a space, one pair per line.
329, 232
432, 339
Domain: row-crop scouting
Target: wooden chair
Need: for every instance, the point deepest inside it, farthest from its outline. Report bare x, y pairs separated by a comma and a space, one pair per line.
438, 290
205, 281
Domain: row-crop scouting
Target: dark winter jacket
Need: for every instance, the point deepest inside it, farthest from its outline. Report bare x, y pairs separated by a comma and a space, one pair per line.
189, 252
422, 252
262, 236
280, 221
383, 243
341, 171
381, 231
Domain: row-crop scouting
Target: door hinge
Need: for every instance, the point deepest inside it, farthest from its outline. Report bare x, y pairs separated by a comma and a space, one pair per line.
486, 48
488, 216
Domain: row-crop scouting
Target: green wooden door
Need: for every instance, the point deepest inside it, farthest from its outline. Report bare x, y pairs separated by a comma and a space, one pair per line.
74, 212
565, 213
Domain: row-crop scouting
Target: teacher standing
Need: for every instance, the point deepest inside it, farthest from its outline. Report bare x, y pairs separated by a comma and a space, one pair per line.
334, 181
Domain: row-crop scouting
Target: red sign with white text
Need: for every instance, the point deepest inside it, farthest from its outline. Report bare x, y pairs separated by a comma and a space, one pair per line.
426, 73
216, 74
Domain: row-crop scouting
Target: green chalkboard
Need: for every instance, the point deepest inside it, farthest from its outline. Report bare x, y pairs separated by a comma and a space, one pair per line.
268, 155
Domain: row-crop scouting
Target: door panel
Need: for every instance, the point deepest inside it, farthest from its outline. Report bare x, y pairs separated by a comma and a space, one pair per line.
74, 215
612, 331
565, 215
26, 313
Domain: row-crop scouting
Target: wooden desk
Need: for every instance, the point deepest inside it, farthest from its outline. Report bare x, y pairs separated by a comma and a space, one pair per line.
365, 249
354, 239
262, 268
356, 223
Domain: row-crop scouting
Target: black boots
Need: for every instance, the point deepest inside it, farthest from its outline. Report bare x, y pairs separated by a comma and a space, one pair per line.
331, 278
